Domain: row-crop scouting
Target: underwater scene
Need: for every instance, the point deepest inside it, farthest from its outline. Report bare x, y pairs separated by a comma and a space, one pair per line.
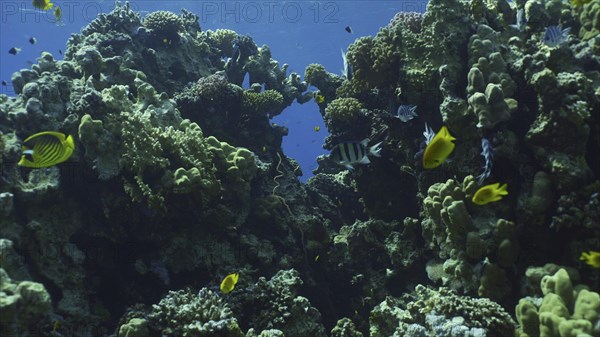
300, 168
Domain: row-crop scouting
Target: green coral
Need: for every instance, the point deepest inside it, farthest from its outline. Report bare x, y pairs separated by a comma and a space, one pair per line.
590, 21
326, 82
345, 328
564, 311
99, 147
342, 113
208, 98
375, 60
237, 164
164, 24
267, 102
460, 239
150, 151
223, 39
489, 84
263, 69
136, 327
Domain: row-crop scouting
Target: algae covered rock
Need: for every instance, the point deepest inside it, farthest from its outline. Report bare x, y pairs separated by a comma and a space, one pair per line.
25, 306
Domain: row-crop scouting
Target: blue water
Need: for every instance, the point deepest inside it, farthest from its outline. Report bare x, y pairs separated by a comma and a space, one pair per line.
298, 32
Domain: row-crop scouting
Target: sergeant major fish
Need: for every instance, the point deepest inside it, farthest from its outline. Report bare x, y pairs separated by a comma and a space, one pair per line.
348, 154
556, 35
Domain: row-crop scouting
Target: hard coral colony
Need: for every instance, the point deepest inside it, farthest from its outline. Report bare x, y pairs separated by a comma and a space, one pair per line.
150, 167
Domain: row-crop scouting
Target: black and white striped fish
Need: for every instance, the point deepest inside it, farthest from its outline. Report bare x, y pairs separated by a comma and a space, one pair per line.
406, 112
555, 35
348, 154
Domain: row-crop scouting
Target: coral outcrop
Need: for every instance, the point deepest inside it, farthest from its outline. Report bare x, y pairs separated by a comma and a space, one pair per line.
564, 310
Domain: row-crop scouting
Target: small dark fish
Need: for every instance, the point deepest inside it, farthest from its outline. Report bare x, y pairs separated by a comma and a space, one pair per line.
14, 50
349, 29
32, 40
60, 51
4, 83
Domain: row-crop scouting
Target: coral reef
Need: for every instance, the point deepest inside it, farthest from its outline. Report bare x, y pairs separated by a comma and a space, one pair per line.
344, 115
440, 313
411, 20
179, 177
182, 313
164, 25
490, 86
473, 251
274, 304
563, 310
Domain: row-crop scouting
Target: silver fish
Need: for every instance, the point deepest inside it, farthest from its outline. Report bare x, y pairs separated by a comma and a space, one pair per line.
406, 112
555, 35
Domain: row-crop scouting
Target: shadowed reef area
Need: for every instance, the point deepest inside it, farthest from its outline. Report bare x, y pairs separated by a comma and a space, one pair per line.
178, 179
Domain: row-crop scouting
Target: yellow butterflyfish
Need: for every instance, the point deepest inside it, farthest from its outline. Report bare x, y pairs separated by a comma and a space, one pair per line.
317, 128
42, 4
592, 258
438, 149
489, 193
319, 98
46, 149
229, 283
